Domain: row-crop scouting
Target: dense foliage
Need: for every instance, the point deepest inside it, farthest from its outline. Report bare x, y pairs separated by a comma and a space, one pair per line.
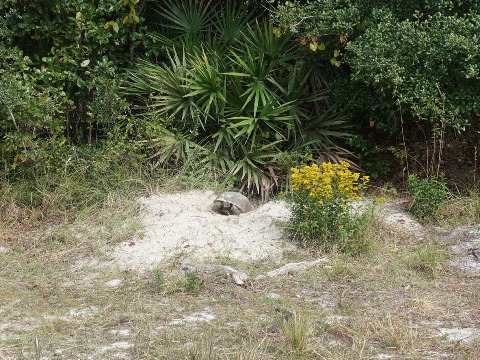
59, 76
227, 87
427, 196
409, 64
233, 94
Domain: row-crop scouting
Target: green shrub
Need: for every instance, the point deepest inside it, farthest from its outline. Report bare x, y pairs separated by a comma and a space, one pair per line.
427, 196
28, 119
321, 199
60, 66
235, 100
406, 70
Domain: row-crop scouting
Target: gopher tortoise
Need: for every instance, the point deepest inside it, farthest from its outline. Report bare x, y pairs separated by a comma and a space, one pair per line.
231, 203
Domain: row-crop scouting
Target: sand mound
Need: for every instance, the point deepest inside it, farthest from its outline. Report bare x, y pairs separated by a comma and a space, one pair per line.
182, 226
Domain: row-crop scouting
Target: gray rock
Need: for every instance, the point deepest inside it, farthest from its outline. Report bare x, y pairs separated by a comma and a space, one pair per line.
113, 283
273, 296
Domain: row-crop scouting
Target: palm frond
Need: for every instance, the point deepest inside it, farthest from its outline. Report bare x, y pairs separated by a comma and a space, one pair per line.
185, 20
205, 84
229, 21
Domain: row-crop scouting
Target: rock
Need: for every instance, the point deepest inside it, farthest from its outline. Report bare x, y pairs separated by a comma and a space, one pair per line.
273, 296
231, 203
238, 276
113, 283
475, 252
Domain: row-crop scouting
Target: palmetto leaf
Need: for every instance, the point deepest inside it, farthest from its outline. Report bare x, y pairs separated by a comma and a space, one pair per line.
165, 86
161, 39
250, 168
229, 20
171, 147
254, 68
271, 120
319, 132
261, 37
186, 20
205, 84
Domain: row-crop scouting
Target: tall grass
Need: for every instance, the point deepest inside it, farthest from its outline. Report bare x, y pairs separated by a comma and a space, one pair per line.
78, 183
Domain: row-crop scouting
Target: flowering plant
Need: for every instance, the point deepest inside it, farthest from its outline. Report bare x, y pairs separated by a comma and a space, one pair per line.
321, 197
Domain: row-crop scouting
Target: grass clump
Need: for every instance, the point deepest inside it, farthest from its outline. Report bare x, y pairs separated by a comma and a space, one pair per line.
194, 283
158, 281
297, 332
321, 197
428, 259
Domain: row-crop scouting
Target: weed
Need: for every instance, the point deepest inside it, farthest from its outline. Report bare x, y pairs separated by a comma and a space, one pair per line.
201, 351
297, 332
428, 195
394, 333
38, 349
340, 272
321, 204
194, 283
158, 282
362, 240
461, 209
428, 259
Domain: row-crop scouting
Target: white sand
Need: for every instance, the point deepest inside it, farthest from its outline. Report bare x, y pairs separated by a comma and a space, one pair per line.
182, 226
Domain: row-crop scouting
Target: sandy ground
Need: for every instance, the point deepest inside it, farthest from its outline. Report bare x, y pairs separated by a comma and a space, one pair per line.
183, 226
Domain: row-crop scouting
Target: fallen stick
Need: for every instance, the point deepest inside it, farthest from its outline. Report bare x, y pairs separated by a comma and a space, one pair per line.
239, 276
292, 267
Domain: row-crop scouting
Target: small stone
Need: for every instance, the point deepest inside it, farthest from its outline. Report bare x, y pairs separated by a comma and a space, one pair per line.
58, 352
121, 332
273, 296
113, 283
3, 249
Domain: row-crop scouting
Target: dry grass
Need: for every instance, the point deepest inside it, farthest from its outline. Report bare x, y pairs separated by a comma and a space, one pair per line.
390, 301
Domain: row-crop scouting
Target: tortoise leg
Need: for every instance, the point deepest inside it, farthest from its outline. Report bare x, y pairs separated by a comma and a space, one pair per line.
235, 210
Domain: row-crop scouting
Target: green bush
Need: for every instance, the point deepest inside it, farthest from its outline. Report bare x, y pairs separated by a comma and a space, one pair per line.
60, 66
237, 98
427, 196
28, 117
405, 70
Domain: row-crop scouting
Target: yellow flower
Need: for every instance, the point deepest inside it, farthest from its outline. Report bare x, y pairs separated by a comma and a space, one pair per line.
328, 182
